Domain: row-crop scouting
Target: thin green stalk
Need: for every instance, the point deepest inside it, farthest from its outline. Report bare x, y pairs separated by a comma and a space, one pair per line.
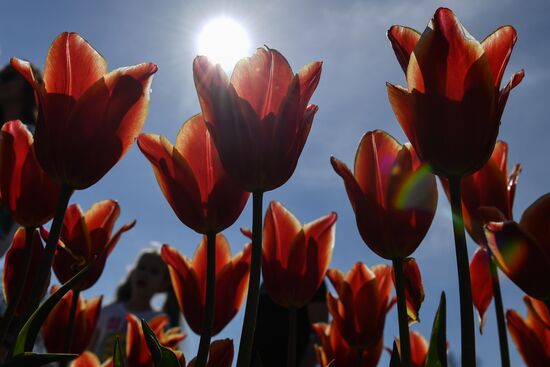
291, 355
251, 310
404, 339
204, 344
51, 243
67, 344
12, 305
502, 336
467, 330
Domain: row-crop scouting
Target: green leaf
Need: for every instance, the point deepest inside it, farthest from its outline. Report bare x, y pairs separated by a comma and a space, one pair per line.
27, 335
162, 356
119, 358
437, 352
29, 359
395, 360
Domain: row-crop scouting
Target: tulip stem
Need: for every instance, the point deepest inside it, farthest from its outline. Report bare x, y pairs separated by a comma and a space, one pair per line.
291, 355
467, 330
204, 344
70, 326
46, 263
499, 310
20, 286
251, 310
359, 357
404, 339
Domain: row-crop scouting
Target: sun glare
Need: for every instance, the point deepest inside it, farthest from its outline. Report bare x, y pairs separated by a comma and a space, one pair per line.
225, 41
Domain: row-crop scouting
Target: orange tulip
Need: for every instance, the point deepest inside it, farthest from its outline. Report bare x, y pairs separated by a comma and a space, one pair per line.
522, 251
335, 348
452, 106
260, 119
86, 237
16, 256
295, 258
531, 336
57, 323
220, 355
137, 351
189, 282
87, 359
28, 193
192, 178
482, 283
87, 118
419, 349
360, 311
394, 197
414, 288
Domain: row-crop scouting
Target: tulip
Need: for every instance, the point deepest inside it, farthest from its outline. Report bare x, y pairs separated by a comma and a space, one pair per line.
392, 194
482, 283
86, 359
260, 118
221, 354
360, 311
414, 289
55, 327
189, 279
85, 238
87, 118
419, 349
28, 193
522, 250
19, 253
334, 351
137, 351
295, 257
453, 104
192, 178
531, 336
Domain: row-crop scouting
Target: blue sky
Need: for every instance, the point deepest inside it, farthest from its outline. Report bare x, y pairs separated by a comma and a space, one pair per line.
350, 38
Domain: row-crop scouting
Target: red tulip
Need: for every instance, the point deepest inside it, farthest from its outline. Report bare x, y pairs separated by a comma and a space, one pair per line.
335, 349
189, 282
482, 283
419, 349
87, 118
531, 337
85, 320
137, 351
220, 355
452, 106
414, 288
539, 310
86, 237
394, 197
86, 359
295, 258
260, 119
28, 193
360, 311
14, 269
522, 251
192, 178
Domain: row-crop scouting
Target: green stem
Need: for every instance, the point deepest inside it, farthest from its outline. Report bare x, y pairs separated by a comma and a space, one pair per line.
204, 344
291, 355
49, 251
12, 305
251, 311
359, 357
502, 337
67, 344
467, 330
404, 339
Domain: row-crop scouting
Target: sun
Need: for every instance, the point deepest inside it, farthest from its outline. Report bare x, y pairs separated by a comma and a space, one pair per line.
224, 40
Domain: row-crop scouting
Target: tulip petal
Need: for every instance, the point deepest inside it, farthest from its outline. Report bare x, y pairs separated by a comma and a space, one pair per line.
86, 359
403, 41
414, 289
200, 258
498, 48
482, 283
308, 77
400, 101
72, 66
280, 229
536, 221
527, 342
419, 349
538, 309
211, 83
505, 92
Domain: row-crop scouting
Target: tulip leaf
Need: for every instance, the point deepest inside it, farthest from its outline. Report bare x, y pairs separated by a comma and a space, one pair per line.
437, 351
119, 358
162, 356
395, 359
29, 359
27, 336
